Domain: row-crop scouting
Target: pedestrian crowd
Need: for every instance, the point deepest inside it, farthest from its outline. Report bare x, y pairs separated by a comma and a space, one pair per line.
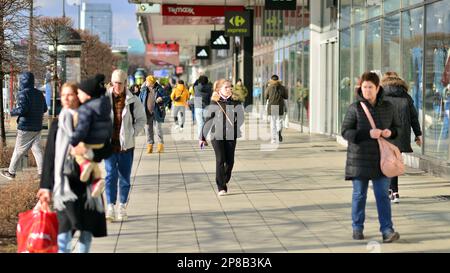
100, 122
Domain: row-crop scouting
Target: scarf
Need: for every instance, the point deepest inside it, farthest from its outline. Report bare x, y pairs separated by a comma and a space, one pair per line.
61, 190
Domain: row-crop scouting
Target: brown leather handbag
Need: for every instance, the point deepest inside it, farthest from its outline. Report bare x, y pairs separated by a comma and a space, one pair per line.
391, 161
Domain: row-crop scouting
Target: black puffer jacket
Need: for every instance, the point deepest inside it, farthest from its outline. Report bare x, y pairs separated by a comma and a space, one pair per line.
31, 105
363, 154
395, 91
204, 92
94, 122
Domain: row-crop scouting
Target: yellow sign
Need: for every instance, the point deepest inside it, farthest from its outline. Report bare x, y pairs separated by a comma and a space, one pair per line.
237, 21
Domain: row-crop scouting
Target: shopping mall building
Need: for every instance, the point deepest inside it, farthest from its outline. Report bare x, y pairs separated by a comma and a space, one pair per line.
321, 49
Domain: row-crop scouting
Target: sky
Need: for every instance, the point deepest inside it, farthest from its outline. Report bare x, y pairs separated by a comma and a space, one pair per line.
124, 18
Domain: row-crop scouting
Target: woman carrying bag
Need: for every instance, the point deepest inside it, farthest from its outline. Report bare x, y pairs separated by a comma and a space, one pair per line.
363, 154
225, 116
60, 182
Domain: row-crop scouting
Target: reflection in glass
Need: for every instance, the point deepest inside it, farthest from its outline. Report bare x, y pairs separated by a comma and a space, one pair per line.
359, 50
391, 5
374, 8
407, 3
344, 75
344, 20
412, 35
359, 10
391, 44
374, 46
437, 79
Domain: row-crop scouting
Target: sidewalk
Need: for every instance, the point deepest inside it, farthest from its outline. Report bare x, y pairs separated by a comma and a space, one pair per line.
293, 199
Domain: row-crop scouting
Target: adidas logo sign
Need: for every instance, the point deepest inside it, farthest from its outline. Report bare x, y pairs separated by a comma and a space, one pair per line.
202, 53
220, 41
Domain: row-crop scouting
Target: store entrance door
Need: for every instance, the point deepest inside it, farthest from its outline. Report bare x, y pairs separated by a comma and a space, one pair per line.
329, 72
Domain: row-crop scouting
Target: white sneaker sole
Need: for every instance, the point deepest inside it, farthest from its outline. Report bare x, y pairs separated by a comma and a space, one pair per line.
7, 177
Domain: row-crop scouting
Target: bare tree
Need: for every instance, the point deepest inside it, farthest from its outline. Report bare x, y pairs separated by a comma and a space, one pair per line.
53, 31
12, 22
96, 56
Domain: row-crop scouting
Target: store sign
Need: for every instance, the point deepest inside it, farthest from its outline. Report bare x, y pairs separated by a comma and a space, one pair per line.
272, 24
195, 15
192, 10
202, 52
162, 54
281, 5
237, 23
219, 40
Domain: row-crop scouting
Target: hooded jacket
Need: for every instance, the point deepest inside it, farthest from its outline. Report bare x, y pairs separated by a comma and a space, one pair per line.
180, 91
276, 93
31, 105
94, 122
395, 91
363, 152
204, 92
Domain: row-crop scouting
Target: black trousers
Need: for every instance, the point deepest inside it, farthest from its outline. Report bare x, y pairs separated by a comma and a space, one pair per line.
224, 150
394, 184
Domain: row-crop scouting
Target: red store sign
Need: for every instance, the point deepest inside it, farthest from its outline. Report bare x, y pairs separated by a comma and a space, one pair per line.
191, 10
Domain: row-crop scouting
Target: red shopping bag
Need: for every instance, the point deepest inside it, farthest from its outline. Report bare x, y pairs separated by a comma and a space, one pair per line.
37, 232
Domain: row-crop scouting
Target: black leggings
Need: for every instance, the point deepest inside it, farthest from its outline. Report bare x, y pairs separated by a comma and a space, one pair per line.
394, 184
224, 150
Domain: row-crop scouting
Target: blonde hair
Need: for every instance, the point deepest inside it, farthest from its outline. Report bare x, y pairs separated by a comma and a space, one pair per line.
219, 83
70, 85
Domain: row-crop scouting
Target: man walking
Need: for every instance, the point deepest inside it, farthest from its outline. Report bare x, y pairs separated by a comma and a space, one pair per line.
154, 100
128, 120
275, 95
31, 107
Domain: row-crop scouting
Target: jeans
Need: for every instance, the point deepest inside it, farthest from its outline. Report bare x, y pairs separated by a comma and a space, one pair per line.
200, 117
381, 191
118, 169
65, 239
24, 141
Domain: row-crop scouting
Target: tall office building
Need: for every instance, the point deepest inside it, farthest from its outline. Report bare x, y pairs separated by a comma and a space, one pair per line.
97, 18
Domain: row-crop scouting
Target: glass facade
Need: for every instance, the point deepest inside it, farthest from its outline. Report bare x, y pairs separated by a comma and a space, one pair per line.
284, 51
411, 37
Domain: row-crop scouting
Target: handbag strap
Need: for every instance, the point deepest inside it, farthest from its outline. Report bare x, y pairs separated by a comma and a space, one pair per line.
369, 116
231, 123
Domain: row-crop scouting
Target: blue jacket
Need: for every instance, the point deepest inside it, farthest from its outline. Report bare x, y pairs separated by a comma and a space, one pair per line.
159, 112
31, 105
94, 122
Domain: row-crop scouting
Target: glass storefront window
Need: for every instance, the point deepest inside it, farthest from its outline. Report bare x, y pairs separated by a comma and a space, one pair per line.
391, 5
358, 11
391, 44
373, 8
407, 3
374, 46
437, 80
412, 37
358, 52
345, 94
345, 12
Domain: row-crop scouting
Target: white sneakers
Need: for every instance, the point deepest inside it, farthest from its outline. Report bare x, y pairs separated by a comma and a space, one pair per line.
121, 214
222, 193
110, 213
